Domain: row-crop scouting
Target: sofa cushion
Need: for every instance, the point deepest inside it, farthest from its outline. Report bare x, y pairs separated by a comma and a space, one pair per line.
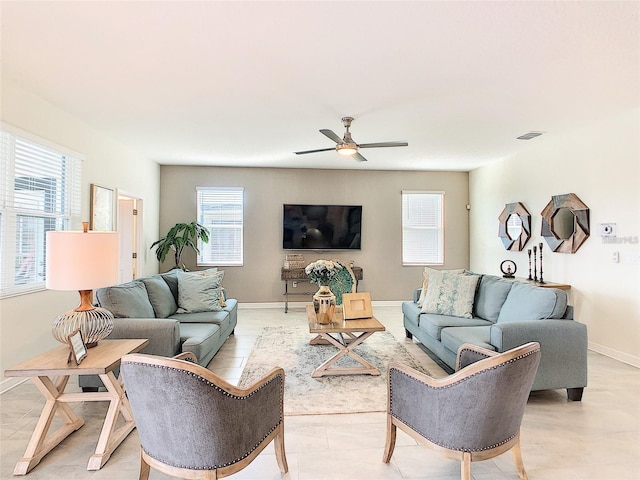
454, 338
127, 300
450, 294
434, 324
199, 338
199, 291
160, 296
202, 317
491, 295
171, 277
528, 302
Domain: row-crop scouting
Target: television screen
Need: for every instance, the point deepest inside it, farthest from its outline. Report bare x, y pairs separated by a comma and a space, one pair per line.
321, 227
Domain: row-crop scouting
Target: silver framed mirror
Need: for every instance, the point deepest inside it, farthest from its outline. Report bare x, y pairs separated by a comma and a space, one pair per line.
515, 226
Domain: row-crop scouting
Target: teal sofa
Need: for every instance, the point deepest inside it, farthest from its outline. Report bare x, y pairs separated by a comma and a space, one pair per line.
148, 307
506, 314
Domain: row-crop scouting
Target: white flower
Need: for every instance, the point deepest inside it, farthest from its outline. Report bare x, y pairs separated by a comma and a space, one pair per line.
322, 271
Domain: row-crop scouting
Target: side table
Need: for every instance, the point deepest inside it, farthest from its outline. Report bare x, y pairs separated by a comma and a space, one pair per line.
50, 372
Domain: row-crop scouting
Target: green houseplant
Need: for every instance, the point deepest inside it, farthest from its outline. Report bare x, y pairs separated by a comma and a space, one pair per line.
181, 235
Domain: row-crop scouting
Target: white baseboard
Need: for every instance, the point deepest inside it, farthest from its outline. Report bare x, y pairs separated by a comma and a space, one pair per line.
303, 305
615, 354
9, 383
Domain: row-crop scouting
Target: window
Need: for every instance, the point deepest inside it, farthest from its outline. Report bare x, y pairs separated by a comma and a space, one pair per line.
221, 211
422, 228
39, 191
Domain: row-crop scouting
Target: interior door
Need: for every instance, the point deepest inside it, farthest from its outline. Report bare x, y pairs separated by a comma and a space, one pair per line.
127, 229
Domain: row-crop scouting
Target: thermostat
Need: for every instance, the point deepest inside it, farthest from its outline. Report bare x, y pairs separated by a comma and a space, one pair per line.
607, 229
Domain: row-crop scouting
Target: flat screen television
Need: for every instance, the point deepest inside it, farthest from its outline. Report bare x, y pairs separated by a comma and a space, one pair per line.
321, 227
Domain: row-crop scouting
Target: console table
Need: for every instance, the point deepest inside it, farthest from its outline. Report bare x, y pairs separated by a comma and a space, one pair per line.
297, 275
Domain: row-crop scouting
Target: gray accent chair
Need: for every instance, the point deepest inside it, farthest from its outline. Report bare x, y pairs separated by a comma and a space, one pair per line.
471, 415
192, 424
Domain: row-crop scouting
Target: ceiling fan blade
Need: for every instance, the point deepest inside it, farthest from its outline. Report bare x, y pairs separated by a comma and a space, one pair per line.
383, 144
315, 151
358, 157
331, 135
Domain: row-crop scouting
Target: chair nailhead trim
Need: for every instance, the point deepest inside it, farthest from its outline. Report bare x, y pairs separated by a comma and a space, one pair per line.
448, 386
227, 394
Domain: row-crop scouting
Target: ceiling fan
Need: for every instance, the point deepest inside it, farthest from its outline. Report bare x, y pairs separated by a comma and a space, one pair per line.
346, 146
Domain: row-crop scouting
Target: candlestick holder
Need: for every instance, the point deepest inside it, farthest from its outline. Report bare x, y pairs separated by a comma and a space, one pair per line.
529, 253
541, 280
535, 264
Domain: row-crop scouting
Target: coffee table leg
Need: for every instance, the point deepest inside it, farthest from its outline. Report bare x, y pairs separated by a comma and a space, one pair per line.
39, 445
110, 438
346, 349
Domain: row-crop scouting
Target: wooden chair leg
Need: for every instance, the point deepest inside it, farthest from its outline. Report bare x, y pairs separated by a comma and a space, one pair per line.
465, 466
390, 444
281, 456
517, 459
144, 468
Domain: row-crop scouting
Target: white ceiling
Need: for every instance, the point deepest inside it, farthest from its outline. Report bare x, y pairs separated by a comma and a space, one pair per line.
249, 83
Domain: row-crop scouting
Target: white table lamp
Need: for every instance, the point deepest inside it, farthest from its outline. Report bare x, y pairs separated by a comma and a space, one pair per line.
82, 261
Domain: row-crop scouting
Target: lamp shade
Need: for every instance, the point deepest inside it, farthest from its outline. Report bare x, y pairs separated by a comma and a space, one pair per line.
82, 260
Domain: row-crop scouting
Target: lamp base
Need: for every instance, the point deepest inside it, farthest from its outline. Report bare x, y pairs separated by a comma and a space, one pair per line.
94, 324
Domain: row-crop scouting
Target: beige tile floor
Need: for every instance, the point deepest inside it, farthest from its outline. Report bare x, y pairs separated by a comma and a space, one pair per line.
598, 438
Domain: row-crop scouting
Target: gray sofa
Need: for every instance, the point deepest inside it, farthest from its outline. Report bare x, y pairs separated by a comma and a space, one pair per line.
506, 314
148, 307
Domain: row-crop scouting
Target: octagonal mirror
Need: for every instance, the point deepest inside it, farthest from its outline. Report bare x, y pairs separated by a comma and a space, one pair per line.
515, 226
565, 223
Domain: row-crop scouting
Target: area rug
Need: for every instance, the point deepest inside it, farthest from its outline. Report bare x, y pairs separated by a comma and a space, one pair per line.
289, 348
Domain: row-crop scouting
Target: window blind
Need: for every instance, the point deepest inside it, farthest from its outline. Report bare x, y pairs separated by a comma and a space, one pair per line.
39, 191
422, 228
221, 210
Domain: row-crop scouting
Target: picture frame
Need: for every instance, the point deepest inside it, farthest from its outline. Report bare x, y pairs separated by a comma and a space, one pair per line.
103, 208
356, 305
78, 348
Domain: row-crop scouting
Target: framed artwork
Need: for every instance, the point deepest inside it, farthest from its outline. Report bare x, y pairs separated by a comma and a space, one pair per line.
103, 209
78, 348
356, 305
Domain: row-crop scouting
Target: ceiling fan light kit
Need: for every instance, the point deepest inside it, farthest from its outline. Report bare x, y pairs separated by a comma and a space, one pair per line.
346, 146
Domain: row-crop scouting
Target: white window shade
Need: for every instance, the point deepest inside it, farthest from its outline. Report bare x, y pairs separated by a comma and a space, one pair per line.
422, 228
39, 192
221, 210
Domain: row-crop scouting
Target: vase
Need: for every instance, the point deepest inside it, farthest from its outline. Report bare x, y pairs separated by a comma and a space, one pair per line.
324, 303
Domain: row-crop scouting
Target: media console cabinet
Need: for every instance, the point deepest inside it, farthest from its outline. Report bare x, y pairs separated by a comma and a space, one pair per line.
297, 275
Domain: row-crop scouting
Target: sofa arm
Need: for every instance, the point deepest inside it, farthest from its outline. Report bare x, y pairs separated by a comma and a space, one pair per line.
163, 334
563, 344
416, 294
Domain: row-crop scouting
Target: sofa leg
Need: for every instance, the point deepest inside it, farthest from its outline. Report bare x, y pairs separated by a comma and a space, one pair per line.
574, 394
408, 334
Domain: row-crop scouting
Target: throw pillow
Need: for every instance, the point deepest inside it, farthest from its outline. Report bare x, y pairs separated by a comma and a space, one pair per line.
425, 282
160, 296
450, 294
127, 300
199, 291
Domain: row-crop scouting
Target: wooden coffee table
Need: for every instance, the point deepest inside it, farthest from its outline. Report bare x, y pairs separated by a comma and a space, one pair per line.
356, 331
50, 372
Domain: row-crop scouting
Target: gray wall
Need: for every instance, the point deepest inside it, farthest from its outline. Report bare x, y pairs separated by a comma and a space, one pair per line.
379, 192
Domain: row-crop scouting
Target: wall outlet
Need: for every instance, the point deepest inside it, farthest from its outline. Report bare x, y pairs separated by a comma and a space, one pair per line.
295, 284
615, 256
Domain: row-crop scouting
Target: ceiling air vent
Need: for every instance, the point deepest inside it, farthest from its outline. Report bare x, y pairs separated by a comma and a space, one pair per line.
529, 135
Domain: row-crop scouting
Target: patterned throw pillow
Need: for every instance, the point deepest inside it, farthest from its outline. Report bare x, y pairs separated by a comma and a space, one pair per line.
425, 282
450, 294
199, 291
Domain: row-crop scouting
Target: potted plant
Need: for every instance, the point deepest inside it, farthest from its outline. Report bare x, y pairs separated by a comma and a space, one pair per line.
181, 235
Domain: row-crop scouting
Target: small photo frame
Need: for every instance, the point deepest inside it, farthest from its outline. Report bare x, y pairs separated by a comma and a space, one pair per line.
78, 348
356, 305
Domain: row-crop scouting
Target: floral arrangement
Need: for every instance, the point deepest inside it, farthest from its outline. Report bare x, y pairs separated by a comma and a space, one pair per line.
322, 271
